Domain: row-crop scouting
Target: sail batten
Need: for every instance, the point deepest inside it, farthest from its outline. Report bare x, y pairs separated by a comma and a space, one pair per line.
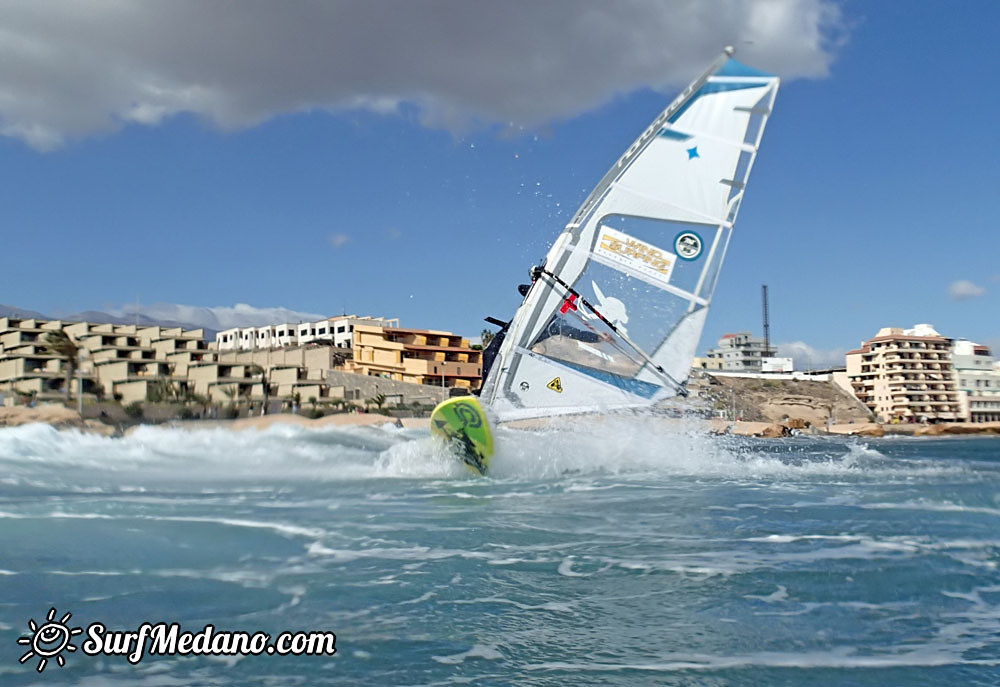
615, 316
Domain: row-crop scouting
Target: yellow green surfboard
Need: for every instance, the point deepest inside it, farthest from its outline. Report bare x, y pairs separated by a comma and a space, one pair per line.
462, 422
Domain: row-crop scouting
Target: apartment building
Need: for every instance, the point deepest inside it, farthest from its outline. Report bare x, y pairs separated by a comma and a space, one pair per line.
739, 352
906, 375
113, 359
336, 331
978, 381
416, 355
26, 365
132, 363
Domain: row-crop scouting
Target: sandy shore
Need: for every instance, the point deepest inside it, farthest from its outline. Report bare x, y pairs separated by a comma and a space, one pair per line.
62, 417
338, 420
53, 414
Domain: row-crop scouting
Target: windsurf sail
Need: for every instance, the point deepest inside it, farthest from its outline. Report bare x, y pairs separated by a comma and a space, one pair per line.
616, 310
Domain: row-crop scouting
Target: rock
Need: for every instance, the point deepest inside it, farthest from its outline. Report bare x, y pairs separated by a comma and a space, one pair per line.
768, 430
944, 428
98, 427
861, 429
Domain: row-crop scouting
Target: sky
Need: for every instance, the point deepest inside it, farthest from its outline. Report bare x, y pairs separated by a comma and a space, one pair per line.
260, 161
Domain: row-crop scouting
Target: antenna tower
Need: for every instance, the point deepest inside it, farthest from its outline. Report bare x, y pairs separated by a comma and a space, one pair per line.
767, 320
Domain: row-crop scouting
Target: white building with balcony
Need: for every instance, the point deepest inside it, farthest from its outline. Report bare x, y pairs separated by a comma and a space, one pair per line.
332, 331
741, 352
906, 375
978, 381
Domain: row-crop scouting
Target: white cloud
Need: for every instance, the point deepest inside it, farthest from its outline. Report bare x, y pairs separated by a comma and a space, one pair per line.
964, 289
69, 69
806, 357
338, 240
218, 317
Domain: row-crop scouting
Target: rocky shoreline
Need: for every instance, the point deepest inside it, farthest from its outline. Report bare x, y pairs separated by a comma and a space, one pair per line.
863, 429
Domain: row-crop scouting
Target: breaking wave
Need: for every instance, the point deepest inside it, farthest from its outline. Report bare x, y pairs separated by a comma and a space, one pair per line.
627, 448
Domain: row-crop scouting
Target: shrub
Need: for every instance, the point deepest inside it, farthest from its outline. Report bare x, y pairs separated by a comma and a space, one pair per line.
134, 410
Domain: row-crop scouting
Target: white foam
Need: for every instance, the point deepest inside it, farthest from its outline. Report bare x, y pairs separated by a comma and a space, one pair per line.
780, 594
573, 450
566, 568
477, 651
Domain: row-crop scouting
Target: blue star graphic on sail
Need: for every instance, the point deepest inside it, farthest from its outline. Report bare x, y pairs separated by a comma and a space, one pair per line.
693, 153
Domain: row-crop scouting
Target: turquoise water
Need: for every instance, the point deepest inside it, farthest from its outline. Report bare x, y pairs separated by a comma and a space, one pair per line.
595, 555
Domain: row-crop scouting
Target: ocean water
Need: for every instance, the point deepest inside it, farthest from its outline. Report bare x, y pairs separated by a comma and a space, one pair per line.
595, 554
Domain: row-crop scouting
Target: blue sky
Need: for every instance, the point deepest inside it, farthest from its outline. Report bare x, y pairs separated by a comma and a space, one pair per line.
416, 166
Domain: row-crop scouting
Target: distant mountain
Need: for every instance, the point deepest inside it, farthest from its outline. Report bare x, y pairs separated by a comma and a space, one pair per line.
11, 311
137, 319
210, 319
99, 317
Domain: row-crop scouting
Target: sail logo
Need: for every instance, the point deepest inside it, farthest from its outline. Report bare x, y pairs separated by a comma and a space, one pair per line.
629, 254
688, 245
613, 309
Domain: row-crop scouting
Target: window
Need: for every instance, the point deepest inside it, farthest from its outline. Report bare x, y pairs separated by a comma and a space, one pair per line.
340, 329
323, 330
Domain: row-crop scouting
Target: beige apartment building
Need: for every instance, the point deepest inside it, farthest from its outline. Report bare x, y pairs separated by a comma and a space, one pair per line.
114, 360
906, 376
26, 366
418, 356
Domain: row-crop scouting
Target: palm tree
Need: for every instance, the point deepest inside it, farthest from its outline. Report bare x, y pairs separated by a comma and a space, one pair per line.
487, 336
198, 399
58, 342
256, 369
161, 390
230, 393
379, 400
245, 393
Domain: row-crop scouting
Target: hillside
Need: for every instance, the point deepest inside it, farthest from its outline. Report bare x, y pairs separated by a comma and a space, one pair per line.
767, 400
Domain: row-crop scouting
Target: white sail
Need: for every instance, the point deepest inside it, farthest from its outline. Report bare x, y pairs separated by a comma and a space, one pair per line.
615, 314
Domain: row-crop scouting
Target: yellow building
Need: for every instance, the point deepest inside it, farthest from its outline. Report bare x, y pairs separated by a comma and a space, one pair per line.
418, 356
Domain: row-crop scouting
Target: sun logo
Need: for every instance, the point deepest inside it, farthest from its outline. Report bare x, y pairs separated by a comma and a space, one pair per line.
49, 640
613, 309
